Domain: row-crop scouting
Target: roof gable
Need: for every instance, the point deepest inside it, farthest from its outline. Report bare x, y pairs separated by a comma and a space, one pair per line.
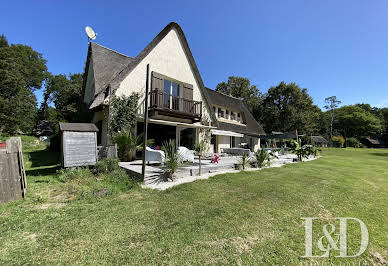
116, 81
106, 64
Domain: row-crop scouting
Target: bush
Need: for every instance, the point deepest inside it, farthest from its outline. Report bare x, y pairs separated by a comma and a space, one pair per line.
244, 161
261, 156
353, 142
81, 174
82, 183
106, 165
338, 141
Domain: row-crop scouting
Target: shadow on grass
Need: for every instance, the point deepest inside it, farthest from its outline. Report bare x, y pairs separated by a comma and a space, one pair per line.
382, 154
43, 158
43, 171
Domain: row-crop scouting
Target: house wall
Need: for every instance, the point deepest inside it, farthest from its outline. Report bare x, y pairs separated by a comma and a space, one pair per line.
167, 58
89, 88
225, 142
222, 142
256, 144
102, 116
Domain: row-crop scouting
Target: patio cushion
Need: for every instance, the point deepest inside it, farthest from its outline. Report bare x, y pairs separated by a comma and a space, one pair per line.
154, 155
186, 154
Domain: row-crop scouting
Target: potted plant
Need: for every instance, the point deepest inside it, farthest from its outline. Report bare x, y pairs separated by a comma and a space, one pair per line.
128, 144
244, 161
172, 159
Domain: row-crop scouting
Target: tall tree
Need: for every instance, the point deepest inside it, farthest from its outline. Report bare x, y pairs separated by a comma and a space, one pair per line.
22, 71
354, 121
241, 88
65, 92
287, 108
3, 41
331, 104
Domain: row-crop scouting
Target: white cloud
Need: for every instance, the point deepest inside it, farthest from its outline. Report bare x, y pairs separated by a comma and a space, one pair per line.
382, 103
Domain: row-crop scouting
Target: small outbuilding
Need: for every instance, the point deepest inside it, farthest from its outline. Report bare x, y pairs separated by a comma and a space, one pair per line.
78, 144
372, 143
319, 141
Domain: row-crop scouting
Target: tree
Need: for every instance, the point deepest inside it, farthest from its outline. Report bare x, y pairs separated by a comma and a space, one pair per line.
22, 71
331, 104
287, 108
242, 89
199, 149
354, 121
65, 92
3, 41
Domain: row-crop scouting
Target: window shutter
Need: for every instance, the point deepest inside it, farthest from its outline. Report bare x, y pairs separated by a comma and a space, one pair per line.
187, 91
157, 86
157, 81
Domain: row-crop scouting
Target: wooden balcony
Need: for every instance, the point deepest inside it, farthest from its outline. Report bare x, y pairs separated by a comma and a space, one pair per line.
162, 103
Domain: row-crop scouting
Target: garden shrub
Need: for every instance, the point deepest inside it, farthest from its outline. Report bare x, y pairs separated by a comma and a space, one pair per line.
352, 142
338, 141
69, 174
85, 183
106, 165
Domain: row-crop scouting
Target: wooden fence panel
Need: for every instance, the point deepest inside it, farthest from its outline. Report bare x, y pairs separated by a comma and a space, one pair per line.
12, 175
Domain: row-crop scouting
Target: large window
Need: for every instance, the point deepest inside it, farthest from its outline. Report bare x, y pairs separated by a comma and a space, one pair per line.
171, 94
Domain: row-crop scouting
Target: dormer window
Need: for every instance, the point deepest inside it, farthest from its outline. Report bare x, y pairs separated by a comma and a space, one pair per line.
221, 113
232, 115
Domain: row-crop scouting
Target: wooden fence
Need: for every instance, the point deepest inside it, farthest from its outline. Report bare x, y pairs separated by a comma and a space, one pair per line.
13, 181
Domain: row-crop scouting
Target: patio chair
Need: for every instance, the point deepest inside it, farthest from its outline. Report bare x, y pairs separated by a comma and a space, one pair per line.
186, 154
154, 155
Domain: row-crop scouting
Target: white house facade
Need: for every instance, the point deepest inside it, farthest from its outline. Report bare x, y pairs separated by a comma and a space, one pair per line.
180, 106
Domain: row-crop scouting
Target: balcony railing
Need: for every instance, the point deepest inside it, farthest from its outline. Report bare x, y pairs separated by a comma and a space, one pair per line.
161, 100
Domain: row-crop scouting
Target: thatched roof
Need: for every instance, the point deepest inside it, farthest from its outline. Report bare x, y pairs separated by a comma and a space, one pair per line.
373, 141
319, 139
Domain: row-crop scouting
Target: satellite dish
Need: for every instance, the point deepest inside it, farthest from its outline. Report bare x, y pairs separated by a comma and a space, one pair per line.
90, 32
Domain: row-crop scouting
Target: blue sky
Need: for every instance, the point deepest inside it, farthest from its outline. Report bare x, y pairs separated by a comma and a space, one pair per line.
335, 47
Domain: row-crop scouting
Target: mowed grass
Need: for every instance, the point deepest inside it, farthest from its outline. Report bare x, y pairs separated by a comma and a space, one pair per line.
248, 218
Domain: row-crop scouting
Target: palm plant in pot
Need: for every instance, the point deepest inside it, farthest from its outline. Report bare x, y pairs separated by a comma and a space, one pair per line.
261, 156
128, 144
172, 158
244, 161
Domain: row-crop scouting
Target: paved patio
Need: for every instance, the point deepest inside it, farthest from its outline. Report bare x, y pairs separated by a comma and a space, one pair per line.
189, 172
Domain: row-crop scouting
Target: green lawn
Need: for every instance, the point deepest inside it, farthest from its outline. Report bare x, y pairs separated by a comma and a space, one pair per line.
245, 218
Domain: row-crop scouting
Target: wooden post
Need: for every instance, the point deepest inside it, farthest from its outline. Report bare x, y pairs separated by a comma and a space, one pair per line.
145, 123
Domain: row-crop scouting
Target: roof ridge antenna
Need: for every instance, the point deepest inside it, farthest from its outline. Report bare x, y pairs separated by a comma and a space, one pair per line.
90, 33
